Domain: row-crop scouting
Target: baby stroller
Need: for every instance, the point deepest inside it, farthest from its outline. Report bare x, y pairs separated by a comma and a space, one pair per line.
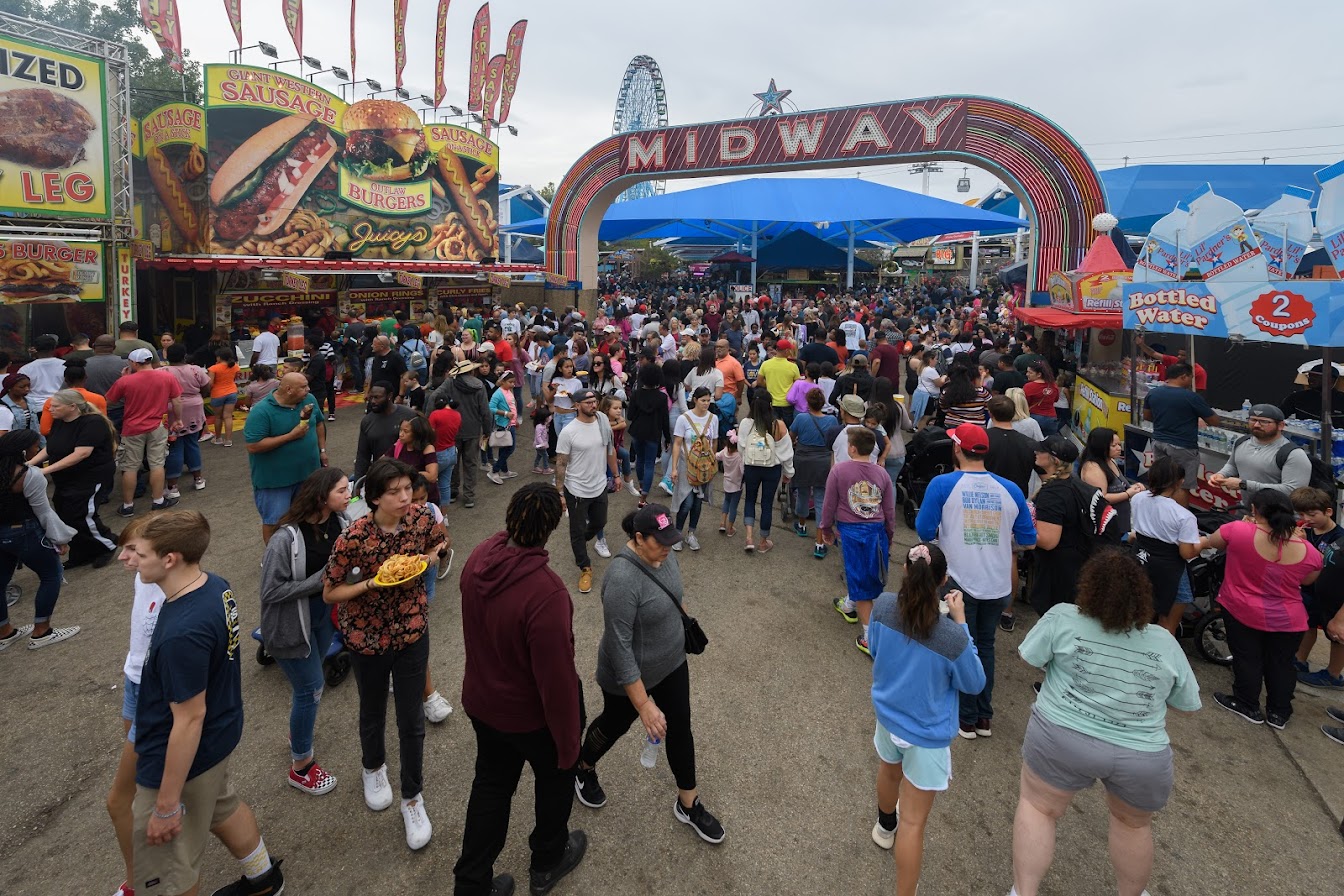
929, 454
335, 665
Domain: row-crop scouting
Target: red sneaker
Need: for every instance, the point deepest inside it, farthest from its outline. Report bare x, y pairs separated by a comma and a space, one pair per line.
316, 782
124, 890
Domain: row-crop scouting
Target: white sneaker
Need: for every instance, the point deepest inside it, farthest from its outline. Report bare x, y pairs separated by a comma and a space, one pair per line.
54, 636
198, 484
172, 493
633, 488
207, 436
883, 837
601, 548
691, 541
437, 708
20, 631
495, 478
418, 828
509, 475
377, 792
678, 546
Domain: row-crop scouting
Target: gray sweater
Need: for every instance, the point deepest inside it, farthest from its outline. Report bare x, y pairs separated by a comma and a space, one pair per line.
286, 594
642, 637
1255, 465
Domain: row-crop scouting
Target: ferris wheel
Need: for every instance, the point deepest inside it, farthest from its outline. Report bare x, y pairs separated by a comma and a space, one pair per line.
641, 104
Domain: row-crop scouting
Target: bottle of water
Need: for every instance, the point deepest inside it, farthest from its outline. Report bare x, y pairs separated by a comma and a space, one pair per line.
1245, 408
648, 754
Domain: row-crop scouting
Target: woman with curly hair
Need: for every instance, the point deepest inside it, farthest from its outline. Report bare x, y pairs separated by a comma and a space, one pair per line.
1101, 715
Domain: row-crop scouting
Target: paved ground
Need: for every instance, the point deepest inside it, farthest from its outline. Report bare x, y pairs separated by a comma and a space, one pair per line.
783, 727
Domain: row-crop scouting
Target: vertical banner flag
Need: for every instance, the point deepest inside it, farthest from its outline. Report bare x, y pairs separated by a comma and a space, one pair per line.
160, 17
440, 52
293, 10
352, 40
399, 36
480, 52
513, 60
494, 79
235, 11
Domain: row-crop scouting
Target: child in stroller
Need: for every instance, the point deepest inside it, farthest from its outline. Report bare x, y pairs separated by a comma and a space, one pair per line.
929, 454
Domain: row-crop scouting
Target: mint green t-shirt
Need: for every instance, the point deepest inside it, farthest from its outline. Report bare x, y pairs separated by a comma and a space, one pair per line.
292, 462
1114, 687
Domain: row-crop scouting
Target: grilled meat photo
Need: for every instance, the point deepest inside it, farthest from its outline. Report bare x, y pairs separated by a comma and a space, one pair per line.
43, 129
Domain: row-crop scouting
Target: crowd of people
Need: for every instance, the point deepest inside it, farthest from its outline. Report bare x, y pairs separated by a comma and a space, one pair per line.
804, 404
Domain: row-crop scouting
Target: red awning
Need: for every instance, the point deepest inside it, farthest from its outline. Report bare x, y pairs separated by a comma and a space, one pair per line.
1048, 316
355, 266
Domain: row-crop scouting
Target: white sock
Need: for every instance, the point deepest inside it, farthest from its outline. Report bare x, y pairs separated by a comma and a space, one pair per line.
865, 631
256, 863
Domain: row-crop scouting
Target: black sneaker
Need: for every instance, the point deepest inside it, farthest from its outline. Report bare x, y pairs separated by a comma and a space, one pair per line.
1036, 686
273, 884
1006, 622
1250, 713
800, 530
588, 790
1335, 713
164, 504
543, 881
126, 510
1334, 733
1276, 720
698, 817
502, 885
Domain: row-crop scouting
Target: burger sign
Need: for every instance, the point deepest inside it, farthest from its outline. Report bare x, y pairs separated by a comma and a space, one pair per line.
297, 171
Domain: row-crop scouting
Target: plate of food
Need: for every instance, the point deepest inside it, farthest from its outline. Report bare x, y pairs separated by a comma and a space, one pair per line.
399, 569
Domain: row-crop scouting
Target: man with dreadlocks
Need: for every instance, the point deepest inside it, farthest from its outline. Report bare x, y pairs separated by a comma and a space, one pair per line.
521, 692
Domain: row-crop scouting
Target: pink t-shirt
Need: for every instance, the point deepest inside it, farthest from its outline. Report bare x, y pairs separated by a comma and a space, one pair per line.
1260, 593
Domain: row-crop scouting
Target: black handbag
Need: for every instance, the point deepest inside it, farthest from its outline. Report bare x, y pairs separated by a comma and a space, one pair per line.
696, 639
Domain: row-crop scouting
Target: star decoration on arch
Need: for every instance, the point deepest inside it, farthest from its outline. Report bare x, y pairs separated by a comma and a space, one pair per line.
772, 100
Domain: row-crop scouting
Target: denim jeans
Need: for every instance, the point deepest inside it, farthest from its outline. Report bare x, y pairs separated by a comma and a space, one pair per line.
805, 497
305, 681
447, 459
690, 507
982, 618
27, 542
646, 458
1049, 425
730, 502
183, 452
894, 467
501, 464
541, 461
763, 480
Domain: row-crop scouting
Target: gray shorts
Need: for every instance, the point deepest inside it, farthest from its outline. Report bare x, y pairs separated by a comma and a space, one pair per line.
1186, 457
1070, 760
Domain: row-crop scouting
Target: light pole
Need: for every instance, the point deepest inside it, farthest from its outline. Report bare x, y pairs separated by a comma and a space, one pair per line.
236, 56
340, 73
401, 92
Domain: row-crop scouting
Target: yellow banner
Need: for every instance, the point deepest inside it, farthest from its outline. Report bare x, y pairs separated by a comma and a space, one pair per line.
296, 282
414, 281
47, 271
173, 123
263, 88
65, 178
410, 199
497, 279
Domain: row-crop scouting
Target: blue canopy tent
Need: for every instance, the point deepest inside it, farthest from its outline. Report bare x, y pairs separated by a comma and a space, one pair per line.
797, 249
1140, 194
745, 210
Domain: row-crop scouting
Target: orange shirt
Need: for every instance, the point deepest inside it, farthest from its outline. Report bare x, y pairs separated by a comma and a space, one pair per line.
223, 380
93, 398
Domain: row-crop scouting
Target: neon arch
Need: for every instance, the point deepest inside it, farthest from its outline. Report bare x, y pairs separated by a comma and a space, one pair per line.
1052, 176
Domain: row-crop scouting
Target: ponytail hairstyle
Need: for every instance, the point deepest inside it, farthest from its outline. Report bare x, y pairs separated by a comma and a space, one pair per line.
74, 399
925, 572
1276, 510
14, 446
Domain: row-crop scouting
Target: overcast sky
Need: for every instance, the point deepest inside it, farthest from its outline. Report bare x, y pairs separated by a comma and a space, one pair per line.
1162, 82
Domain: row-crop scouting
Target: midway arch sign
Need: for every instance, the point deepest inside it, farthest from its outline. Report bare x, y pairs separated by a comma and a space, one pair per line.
1052, 176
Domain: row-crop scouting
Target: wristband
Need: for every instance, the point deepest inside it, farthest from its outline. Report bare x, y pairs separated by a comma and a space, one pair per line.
180, 810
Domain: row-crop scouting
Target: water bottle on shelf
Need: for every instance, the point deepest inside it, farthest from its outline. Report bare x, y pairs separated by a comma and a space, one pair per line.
1245, 408
648, 754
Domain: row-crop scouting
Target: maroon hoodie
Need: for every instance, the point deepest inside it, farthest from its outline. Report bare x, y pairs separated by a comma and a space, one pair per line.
517, 623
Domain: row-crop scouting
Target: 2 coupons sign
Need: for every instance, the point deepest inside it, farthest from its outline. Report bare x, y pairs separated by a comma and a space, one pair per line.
1281, 312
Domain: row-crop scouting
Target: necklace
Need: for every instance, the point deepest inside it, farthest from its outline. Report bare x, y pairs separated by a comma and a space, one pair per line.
185, 587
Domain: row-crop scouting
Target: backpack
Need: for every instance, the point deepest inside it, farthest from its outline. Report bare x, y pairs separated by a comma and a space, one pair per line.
757, 450
701, 464
414, 358
1322, 477
1097, 519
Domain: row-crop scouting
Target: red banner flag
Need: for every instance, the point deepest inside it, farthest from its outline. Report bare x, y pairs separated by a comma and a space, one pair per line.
494, 80
293, 11
352, 40
480, 52
235, 11
513, 61
399, 36
440, 53
160, 17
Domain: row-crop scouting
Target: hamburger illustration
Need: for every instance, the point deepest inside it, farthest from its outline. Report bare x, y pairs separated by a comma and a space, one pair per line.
384, 141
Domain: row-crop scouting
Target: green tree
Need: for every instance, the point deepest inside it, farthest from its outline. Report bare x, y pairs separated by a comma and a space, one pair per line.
547, 192
153, 83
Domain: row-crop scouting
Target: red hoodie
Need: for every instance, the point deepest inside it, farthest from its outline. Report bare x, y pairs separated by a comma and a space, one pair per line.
517, 624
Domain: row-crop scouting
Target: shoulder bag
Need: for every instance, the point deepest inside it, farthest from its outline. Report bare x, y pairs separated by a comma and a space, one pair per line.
696, 639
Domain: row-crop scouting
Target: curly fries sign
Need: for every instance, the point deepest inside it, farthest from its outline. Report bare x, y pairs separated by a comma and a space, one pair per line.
1281, 312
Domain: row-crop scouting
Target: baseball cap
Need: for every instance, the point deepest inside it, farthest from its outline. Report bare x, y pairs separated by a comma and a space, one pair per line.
784, 345
1059, 446
141, 356
1268, 411
584, 395
655, 521
853, 405
970, 438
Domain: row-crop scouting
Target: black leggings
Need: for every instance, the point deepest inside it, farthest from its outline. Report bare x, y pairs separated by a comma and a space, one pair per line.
407, 668
673, 697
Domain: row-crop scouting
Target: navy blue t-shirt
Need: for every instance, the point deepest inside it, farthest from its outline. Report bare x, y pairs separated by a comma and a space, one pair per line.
1176, 415
194, 649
